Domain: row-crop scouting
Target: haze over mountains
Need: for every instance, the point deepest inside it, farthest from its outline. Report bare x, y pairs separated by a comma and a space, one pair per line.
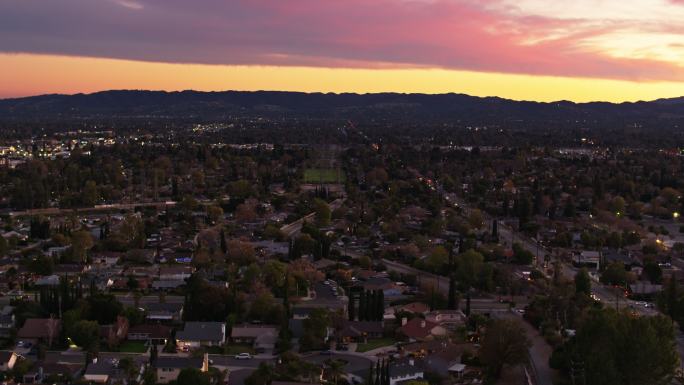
217, 105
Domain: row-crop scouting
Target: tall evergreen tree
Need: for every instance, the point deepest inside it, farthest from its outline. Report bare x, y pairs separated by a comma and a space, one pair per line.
467, 309
351, 306
362, 306
451, 302
380, 306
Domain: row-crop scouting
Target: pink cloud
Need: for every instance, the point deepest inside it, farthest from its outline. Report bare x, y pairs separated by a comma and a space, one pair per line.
454, 34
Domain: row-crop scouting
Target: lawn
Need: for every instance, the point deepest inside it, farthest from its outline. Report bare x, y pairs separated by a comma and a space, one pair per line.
232, 349
323, 175
132, 347
374, 344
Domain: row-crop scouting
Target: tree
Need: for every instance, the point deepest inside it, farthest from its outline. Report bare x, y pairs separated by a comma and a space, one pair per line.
475, 219
262, 376
437, 259
452, 302
617, 348
316, 326
582, 282
653, 272
323, 212
379, 310
85, 334
81, 242
334, 369
192, 376
468, 267
505, 343
104, 308
351, 305
215, 213
521, 255
615, 274
89, 194
4, 247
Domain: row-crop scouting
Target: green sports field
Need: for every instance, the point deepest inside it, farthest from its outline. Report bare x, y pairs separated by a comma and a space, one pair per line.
323, 175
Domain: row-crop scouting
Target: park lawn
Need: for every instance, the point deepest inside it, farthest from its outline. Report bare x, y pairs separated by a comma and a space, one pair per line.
374, 344
323, 175
133, 347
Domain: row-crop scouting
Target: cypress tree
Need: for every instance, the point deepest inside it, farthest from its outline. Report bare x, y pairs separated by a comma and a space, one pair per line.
378, 374
362, 306
370, 379
387, 374
224, 244
351, 306
380, 306
451, 304
467, 309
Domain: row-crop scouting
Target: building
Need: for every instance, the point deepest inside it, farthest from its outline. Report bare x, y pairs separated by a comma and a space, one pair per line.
156, 334
405, 370
450, 319
40, 330
196, 334
261, 337
169, 367
418, 329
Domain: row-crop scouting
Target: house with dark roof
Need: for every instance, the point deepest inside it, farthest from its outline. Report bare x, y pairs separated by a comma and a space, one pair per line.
450, 319
404, 370
156, 334
164, 312
360, 331
169, 367
418, 329
261, 337
196, 334
40, 330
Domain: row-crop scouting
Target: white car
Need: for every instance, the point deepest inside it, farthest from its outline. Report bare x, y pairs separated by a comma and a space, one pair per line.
243, 356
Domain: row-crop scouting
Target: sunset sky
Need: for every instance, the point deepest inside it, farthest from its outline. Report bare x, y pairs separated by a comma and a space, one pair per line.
578, 50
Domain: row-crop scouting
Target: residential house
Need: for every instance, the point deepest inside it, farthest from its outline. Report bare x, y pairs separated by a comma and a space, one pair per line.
156, 334
261, 337
360, 331
450, 319
7, 321
404, 370
418, 329
169, 367
196, 334
40, 330
413, 307
175, 272
164, 312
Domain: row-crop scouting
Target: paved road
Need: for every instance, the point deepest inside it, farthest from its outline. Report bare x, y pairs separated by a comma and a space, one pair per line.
292, 229
540, 351
440, 283
97, 208
223, 361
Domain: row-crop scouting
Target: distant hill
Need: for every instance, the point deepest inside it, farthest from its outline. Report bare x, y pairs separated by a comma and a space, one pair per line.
217, 105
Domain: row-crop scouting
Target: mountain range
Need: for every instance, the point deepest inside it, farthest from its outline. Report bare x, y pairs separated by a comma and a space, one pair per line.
217, 105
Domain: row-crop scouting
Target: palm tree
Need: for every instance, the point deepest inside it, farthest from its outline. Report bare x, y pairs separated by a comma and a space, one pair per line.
334, 368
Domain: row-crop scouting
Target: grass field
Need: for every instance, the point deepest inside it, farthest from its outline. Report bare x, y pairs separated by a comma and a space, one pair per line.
374, 344
133, 347
323, 175
231, 349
